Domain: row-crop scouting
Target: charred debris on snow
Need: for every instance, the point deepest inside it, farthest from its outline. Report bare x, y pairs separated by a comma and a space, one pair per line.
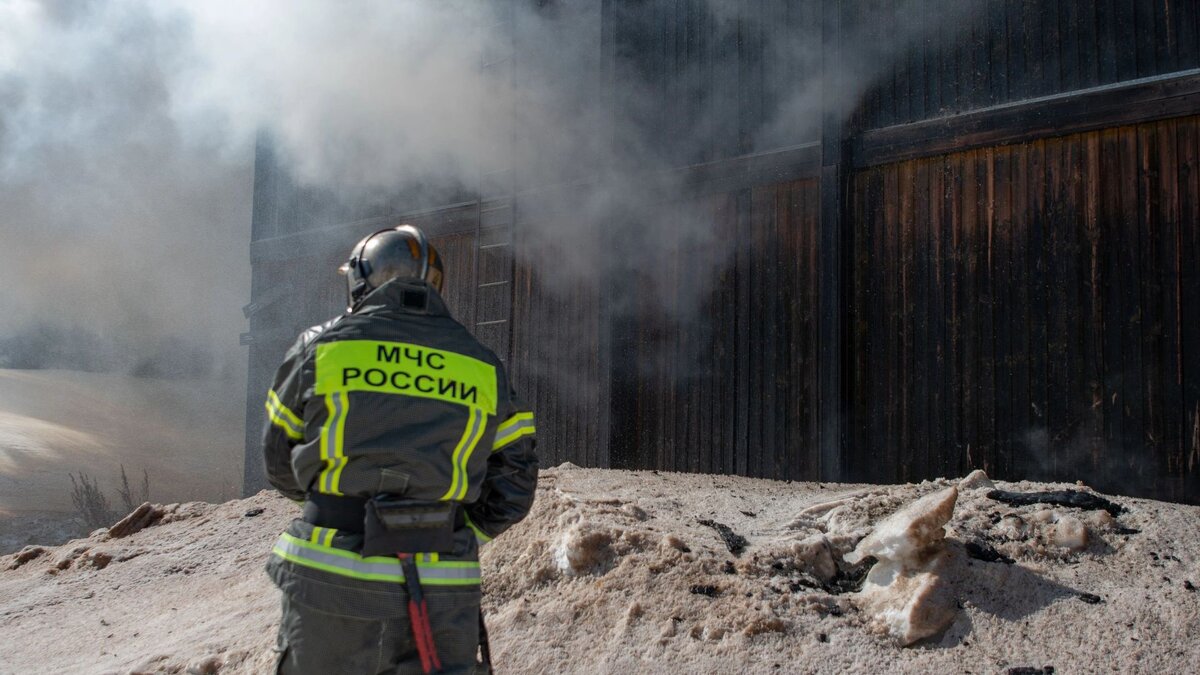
735, 542
1069, 498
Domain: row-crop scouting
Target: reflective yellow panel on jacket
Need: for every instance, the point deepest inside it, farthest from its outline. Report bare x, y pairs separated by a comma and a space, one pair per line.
407, 370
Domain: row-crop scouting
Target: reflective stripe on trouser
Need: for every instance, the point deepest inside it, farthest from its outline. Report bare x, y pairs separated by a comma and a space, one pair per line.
322, 536
374, 568
513, 429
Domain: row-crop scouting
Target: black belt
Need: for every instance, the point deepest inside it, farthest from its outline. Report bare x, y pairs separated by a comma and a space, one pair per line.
339, 513
347, 514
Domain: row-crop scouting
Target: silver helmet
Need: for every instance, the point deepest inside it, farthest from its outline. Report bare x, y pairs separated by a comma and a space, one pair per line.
402, 252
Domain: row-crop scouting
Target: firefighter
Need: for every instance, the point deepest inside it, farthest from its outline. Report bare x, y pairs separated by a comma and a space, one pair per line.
399, 434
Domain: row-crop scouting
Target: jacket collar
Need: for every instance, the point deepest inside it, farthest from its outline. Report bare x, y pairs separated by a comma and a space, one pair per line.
403, 296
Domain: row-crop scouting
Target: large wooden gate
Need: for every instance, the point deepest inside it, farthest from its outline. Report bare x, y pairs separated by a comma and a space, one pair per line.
988, 261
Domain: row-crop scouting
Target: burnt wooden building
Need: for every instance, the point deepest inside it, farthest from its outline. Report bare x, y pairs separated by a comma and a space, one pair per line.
987, 258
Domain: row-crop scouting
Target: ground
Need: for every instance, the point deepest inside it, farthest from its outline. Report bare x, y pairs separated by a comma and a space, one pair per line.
615, 571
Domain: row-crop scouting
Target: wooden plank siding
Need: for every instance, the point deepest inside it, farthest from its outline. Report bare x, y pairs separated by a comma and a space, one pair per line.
1021, 289
560, 356
1021, 49
718, 74
723, 359
1071, 351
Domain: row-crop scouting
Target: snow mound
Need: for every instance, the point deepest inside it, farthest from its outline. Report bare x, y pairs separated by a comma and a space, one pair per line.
619, 571
906, 591
169, 589
976, 480
586, 548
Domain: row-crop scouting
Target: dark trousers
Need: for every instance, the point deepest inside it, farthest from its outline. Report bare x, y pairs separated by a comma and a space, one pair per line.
313, 642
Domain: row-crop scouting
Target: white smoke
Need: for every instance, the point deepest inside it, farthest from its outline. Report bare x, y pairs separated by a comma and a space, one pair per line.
115, 218
369, 94
127, 131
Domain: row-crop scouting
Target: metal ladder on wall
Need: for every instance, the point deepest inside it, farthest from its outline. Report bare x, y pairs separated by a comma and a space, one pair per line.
496, 202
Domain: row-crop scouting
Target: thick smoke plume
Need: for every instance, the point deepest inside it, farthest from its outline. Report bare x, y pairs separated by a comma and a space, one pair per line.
127, 133
124, 230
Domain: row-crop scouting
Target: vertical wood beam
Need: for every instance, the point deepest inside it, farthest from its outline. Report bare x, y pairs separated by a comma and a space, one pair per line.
262, 226
617, 368
834, 231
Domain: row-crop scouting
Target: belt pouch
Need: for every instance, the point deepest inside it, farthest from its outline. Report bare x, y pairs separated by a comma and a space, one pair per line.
406, 526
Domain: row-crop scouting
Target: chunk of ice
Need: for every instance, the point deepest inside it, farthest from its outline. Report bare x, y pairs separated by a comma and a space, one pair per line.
906, 591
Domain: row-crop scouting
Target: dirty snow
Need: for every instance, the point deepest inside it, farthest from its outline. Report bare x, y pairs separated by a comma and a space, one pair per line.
615, 572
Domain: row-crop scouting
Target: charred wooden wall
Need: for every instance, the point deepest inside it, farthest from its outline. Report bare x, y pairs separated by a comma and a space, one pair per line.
716, 72
717, 354
1032, 310
560, 362
1001, 235
1022, 225
1015, 50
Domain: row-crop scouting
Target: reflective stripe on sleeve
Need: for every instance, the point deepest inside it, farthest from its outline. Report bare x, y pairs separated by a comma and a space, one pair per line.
375, 568
282, 417
513, 429
480, 536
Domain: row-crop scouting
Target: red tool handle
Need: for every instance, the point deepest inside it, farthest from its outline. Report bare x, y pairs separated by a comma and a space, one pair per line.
418, 615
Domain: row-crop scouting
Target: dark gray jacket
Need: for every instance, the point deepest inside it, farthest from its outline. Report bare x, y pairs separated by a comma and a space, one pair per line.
398, 397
